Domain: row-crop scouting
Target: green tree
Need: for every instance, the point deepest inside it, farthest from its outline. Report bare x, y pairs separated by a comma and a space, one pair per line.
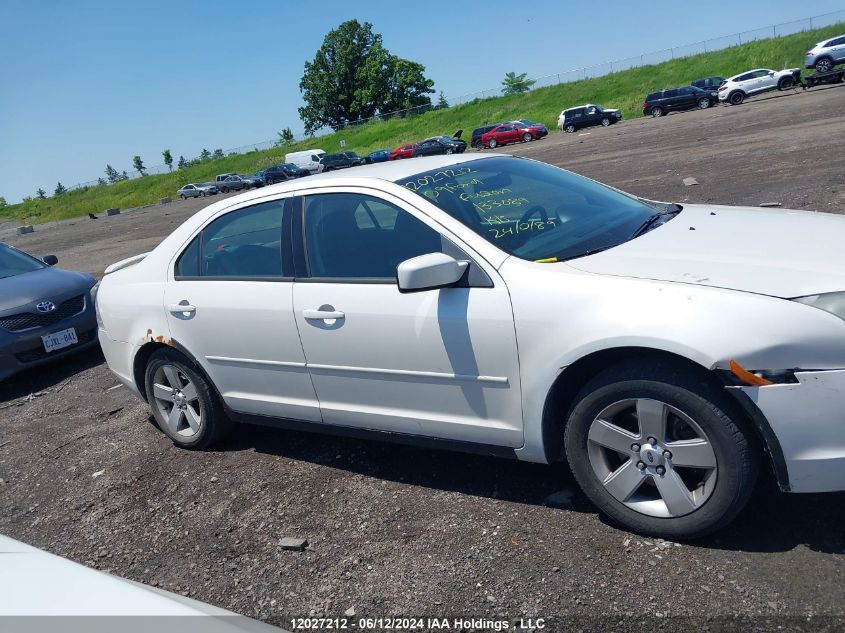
101, 181
442, 104
406, 86
182, 162
112, 174
168, 159
353, 76
40, 194
218, 153
514, 84
124, 176
205, 155
60, 189
3, 202
138, 164
285, 138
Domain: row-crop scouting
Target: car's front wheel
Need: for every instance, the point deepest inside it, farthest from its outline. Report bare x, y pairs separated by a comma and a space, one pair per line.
182, 195
492, 143
660, 450
703, 104
605, 121
527, 137
786, 83
824, 65
184, 404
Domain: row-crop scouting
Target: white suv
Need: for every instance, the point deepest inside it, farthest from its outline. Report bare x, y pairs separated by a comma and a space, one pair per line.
503, 305
737, 88
825, 55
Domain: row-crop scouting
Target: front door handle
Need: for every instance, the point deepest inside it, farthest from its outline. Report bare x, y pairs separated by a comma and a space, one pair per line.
323, 314
178, 308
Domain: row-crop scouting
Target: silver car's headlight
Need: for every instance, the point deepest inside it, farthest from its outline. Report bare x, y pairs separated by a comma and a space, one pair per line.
833, 302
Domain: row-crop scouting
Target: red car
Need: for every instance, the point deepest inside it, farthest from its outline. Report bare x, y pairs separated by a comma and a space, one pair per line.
514, 132
404, 151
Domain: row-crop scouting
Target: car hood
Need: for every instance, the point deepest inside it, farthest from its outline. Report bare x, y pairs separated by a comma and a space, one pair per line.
780, 253
611, 110
38, 285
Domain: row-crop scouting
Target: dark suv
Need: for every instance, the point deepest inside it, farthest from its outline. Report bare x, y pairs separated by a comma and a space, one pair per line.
281, 173
708, 83
676, 99
573, 119
330, 162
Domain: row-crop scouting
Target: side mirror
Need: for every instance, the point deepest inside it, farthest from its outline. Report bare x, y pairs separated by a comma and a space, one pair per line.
771, 73
429, 272
50, 260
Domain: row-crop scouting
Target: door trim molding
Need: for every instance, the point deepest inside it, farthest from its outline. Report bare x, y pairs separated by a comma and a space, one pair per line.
500, 380
254, 361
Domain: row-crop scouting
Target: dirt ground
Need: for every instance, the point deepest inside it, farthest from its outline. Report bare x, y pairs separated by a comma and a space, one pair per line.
403, 531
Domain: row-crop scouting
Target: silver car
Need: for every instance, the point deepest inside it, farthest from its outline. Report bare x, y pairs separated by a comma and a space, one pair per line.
825, 55
195, 190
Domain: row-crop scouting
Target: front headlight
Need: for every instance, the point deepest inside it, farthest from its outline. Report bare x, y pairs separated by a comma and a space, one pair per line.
833, 302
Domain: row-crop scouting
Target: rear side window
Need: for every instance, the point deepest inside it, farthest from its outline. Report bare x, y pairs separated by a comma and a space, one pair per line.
653, 96
670, 93
246, 243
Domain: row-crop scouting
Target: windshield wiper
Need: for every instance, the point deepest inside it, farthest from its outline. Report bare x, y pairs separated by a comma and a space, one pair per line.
592, 251
652, 222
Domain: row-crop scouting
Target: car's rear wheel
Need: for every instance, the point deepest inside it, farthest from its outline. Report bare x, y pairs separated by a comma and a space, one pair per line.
527, 137
224, 189
736, 98
703, 104
605, 121
657, 112
184, 404
660, 450
824, 65
569, 128
786, 83
492, 143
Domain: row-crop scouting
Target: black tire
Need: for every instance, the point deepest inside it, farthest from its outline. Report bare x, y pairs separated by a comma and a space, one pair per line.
735, 447
736, 98
657, 112
703, 104
224, 190
203, 194
786, 83
492, 143
824, 65
182, 195
526, 138
450, 151
215, 424
569, 128
605, 122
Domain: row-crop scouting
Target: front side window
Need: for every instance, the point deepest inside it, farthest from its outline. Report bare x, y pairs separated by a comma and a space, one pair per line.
246, 243
350, 235
530, 209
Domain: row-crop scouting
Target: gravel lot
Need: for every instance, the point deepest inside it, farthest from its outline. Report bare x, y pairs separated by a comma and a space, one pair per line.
401, 531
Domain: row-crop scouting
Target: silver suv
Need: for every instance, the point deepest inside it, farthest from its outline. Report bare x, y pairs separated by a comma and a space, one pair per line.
825, 55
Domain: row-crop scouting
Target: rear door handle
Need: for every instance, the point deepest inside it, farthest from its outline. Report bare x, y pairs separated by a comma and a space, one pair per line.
323, 314
178, 308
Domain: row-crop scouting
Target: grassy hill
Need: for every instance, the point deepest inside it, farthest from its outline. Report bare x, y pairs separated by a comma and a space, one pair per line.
624, 90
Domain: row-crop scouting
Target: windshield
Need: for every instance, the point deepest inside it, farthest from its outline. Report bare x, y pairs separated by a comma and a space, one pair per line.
530, 209
13, 262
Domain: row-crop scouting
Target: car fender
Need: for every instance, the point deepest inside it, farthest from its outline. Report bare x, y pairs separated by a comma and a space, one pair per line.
562, 315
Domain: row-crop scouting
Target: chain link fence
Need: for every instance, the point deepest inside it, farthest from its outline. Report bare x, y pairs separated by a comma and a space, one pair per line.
566, 76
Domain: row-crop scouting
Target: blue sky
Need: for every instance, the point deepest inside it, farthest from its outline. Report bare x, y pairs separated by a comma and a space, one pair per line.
88, 83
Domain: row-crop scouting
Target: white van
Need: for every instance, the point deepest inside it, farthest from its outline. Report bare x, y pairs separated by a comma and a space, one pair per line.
309, 159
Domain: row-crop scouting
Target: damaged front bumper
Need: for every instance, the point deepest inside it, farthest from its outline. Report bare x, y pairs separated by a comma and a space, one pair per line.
807, 422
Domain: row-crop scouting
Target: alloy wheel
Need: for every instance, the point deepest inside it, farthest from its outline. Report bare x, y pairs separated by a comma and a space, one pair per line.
491, 143
605, 122
527, 137
656, 112
703, 104
177, 400
652, 457
823, 65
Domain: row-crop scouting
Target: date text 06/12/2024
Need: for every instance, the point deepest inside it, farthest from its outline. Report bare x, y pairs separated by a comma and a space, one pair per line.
416, 624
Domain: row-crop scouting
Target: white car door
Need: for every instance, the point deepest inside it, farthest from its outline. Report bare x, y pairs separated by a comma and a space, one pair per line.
766, 80
440, 363
229, 299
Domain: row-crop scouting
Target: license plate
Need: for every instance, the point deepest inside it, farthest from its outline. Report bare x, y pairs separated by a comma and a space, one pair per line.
58, 340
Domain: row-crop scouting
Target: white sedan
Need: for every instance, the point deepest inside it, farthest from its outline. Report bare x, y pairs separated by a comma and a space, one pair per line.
504, 305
